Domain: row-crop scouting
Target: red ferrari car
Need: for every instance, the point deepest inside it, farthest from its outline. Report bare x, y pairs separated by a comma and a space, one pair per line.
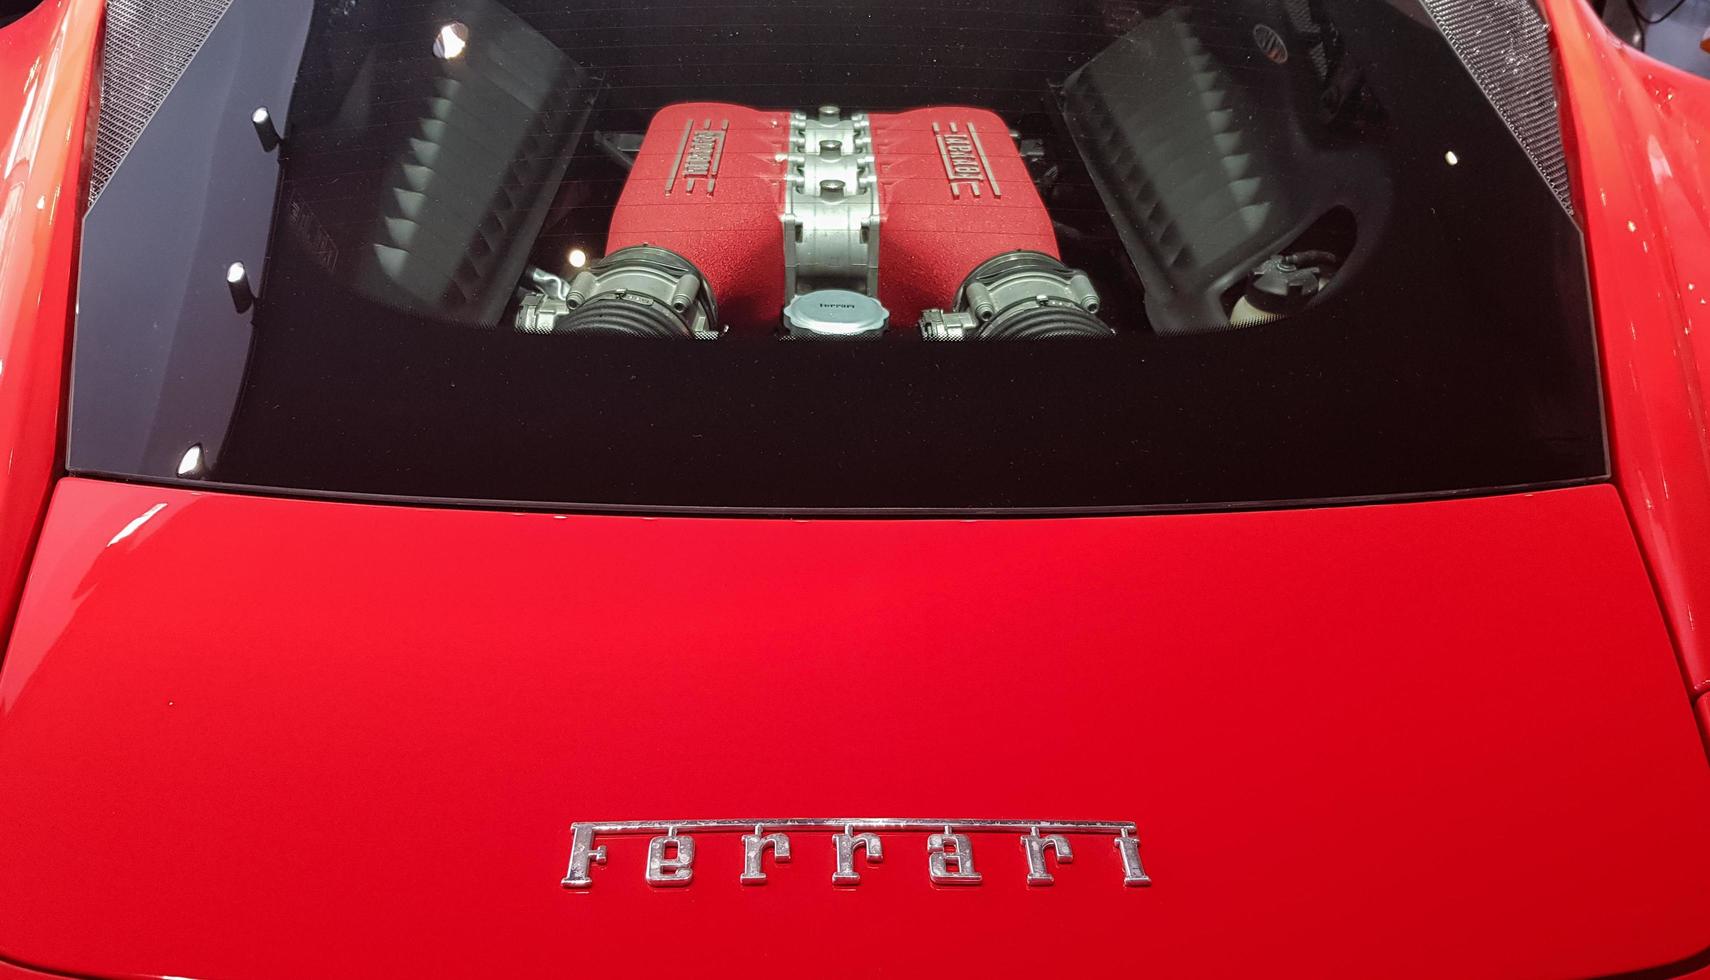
852, 487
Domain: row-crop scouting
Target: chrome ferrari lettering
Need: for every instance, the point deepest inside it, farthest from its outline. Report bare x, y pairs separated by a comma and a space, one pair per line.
964, 162
1035, 847
847, 843
950, 858
1047, 845
670, 860
582, 851
699, 154
966, 165
754, 850
703, 152
1132, 873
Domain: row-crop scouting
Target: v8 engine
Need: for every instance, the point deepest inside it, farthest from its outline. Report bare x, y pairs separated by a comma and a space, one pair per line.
825, 225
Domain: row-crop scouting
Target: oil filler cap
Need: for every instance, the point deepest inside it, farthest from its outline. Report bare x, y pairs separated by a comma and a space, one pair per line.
835, 314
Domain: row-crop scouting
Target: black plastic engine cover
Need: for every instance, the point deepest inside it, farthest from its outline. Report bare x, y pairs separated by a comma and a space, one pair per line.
425, 183
1216, 138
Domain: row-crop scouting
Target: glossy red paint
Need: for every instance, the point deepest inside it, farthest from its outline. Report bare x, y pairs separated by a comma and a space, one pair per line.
1704, 719
1640, 130
269, 738
46, 61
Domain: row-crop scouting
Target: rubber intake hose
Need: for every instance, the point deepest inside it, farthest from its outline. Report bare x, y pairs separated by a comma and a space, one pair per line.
641, 291
1031, 296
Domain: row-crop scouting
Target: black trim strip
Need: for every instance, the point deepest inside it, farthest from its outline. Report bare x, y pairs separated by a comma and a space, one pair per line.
828, 513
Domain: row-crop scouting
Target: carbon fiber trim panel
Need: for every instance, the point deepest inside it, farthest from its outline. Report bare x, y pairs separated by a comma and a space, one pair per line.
1505, 44
147, 45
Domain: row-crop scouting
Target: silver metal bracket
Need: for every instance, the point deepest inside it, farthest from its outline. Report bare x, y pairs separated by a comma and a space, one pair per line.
831, 204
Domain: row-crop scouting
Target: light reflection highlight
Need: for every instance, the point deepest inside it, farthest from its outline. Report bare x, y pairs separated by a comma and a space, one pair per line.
135, 524
191, 463
451, 41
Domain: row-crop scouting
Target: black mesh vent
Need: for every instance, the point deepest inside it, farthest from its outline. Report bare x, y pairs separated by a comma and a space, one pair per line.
1505, 44
147, 45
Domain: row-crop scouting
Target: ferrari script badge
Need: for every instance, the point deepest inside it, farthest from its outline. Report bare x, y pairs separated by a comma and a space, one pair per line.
855, 844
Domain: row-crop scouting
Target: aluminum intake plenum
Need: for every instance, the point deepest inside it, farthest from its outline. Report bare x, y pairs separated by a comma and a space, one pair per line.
831, 205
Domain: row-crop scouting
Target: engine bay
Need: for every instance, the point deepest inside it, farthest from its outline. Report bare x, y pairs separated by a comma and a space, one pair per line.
426, 243
832, 225
1180, 173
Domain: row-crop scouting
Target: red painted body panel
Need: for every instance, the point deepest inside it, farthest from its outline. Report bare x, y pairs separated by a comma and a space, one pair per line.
1704, 719
258, 738
46, 60
1640, 130
248, 737
933, 236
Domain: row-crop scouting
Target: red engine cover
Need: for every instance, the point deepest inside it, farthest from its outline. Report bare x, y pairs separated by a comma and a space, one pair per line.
954, 192
709, 185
